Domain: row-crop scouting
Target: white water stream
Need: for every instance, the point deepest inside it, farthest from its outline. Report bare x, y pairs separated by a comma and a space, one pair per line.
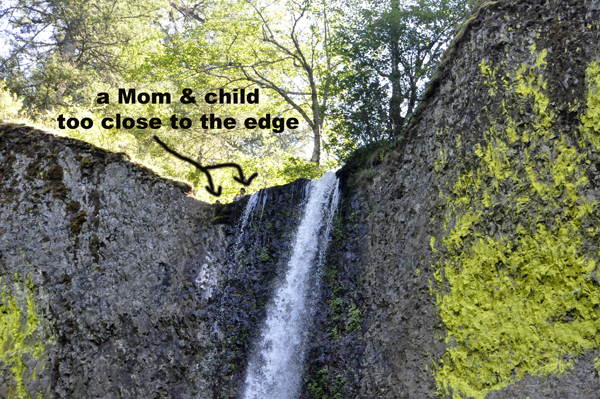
247, 212
274, 371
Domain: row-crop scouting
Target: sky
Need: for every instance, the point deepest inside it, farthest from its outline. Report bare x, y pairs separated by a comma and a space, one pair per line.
3, 28
3, 45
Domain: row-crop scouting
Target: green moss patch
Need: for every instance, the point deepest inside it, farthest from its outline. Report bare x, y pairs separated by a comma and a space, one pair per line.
77, 221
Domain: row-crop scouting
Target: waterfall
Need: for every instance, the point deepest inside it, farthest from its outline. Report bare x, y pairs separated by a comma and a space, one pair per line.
208, 276
274, 371
249, 208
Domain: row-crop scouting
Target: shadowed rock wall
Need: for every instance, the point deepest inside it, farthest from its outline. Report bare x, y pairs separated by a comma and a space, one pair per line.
116, 284
256, 263
98, 261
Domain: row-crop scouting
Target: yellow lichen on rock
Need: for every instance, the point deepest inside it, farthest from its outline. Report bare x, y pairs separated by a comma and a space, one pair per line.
591, 119
515, 291
20, 337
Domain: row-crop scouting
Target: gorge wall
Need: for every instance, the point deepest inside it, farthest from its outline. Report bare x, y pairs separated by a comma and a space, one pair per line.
479, 242
98, 262
117, 284
463, 261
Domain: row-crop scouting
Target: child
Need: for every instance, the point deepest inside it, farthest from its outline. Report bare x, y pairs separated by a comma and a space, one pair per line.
241, 194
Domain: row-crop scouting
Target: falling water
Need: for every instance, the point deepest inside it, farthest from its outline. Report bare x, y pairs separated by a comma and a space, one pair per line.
249, 208
274, 371
208, 277
263, 205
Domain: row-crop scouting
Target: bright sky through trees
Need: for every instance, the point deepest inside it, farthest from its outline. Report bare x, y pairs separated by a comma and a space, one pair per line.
352, 72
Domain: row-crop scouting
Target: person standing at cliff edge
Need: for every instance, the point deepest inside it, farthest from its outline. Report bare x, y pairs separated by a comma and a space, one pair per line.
241, 194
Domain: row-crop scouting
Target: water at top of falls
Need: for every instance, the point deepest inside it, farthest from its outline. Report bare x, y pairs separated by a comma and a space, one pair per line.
249, 208
275, 369
263, 204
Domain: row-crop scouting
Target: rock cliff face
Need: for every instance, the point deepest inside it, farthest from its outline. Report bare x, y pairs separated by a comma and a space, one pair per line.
99, 259
463, 262
116, 284
257, 257
479, 256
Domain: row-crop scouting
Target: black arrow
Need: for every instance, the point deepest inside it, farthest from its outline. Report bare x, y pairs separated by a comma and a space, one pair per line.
212, 192
206, 170
241, 179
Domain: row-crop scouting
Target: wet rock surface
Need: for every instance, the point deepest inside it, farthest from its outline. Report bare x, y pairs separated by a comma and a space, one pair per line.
256, 263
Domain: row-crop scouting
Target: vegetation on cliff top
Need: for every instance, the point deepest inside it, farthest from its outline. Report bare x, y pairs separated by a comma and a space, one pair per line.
337, 67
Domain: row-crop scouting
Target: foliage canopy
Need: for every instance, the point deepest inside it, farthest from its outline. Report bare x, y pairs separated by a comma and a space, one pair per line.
352, 72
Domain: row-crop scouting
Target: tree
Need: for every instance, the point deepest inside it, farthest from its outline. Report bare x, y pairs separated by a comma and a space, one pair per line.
59, 48
390, 49
283, 47
62, 53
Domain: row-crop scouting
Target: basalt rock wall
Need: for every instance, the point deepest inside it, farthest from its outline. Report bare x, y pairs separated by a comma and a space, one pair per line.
116, 283
471, 249
99, 260
261, 240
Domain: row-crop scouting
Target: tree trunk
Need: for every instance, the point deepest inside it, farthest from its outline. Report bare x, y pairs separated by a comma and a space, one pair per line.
316, 155
395, 114
317, 125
